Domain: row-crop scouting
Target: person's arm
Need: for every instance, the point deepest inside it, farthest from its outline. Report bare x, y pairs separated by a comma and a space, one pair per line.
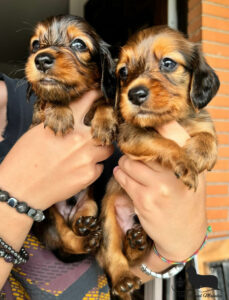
3, 107
42, 169
173, 216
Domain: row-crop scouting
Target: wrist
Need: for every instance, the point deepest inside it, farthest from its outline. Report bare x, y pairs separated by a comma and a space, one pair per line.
14, 227
20, 190
153, 262
185, 249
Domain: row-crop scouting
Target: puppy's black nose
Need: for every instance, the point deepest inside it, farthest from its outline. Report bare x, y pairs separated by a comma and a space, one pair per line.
138, 95
44, 61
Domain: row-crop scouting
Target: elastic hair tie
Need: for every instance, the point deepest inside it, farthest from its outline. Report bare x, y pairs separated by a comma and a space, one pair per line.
171, 262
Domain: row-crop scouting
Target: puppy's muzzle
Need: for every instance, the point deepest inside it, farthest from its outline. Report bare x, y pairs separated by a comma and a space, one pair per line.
44, 61
138, 95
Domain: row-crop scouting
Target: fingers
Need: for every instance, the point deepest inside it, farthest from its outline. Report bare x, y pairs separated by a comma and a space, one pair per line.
175, 132
136, 170
92, 174
81, 106
131, 186
101, 153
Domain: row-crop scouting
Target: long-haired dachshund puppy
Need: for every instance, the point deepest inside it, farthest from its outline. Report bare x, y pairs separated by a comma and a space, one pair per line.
68, 59
161, 76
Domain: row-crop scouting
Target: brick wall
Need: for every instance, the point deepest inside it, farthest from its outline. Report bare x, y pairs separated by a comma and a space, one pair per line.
208, 23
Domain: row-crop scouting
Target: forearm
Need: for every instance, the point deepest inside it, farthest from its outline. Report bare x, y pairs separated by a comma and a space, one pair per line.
14, 228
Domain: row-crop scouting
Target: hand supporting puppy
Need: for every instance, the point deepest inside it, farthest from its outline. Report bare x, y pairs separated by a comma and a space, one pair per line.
43, 169
173, 216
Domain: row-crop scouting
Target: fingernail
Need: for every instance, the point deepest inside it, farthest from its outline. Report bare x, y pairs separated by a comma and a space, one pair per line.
115, 169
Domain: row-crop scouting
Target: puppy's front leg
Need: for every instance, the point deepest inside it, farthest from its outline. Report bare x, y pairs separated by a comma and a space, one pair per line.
146, 145
103, 121
201, 148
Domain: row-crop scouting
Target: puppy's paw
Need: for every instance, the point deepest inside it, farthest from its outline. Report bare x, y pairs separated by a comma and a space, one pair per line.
186, 171
125, 285
136, 243
87, 225
59, 119
92, 241
104, 130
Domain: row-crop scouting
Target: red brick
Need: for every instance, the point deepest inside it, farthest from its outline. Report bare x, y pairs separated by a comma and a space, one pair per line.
217, 214
223, 75
215, 36
217, 201
196, 37
214, 48
219, 113
215, 10
217, 177
223, 89
192, 4
223, 2
216, 189
222, 126
220, 101
196, 24
218, 62
223, 151
222, 164
221, 24
193, 13
223, 139
219, 226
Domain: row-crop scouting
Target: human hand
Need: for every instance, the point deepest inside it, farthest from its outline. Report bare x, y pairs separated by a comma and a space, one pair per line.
171, 214
42, 169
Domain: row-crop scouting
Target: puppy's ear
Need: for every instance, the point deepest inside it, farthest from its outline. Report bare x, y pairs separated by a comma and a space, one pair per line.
108, 81
205, 82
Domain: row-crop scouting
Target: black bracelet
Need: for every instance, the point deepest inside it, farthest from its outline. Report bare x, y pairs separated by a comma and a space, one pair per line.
12, 256
22, 207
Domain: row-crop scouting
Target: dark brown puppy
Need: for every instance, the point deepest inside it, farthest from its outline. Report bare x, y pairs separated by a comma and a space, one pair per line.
161, 77
68, 59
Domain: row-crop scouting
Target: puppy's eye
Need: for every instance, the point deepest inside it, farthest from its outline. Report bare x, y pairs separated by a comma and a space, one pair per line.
35, 45
167, 64
123, 73
79, 45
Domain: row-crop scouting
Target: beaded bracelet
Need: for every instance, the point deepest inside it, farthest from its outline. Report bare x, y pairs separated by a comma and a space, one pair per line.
209, 229
173, 271
22, 207
12, 256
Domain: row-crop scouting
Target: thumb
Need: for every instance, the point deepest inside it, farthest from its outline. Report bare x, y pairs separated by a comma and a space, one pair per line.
82, 105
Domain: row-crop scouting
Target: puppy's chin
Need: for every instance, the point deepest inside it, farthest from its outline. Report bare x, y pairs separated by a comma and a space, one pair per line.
51, 92
56, 92
148, 119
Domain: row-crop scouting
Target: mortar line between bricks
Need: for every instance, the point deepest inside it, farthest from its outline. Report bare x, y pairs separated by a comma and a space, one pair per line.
218, 183
218, 107
215, 43
214, 29
215, 4
218, 196
215, 17
216, 55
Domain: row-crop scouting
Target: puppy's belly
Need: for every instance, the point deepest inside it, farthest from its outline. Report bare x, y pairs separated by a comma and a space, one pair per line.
68, 211
125, 212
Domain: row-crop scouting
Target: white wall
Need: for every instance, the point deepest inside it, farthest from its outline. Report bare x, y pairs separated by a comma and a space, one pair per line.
76, 7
